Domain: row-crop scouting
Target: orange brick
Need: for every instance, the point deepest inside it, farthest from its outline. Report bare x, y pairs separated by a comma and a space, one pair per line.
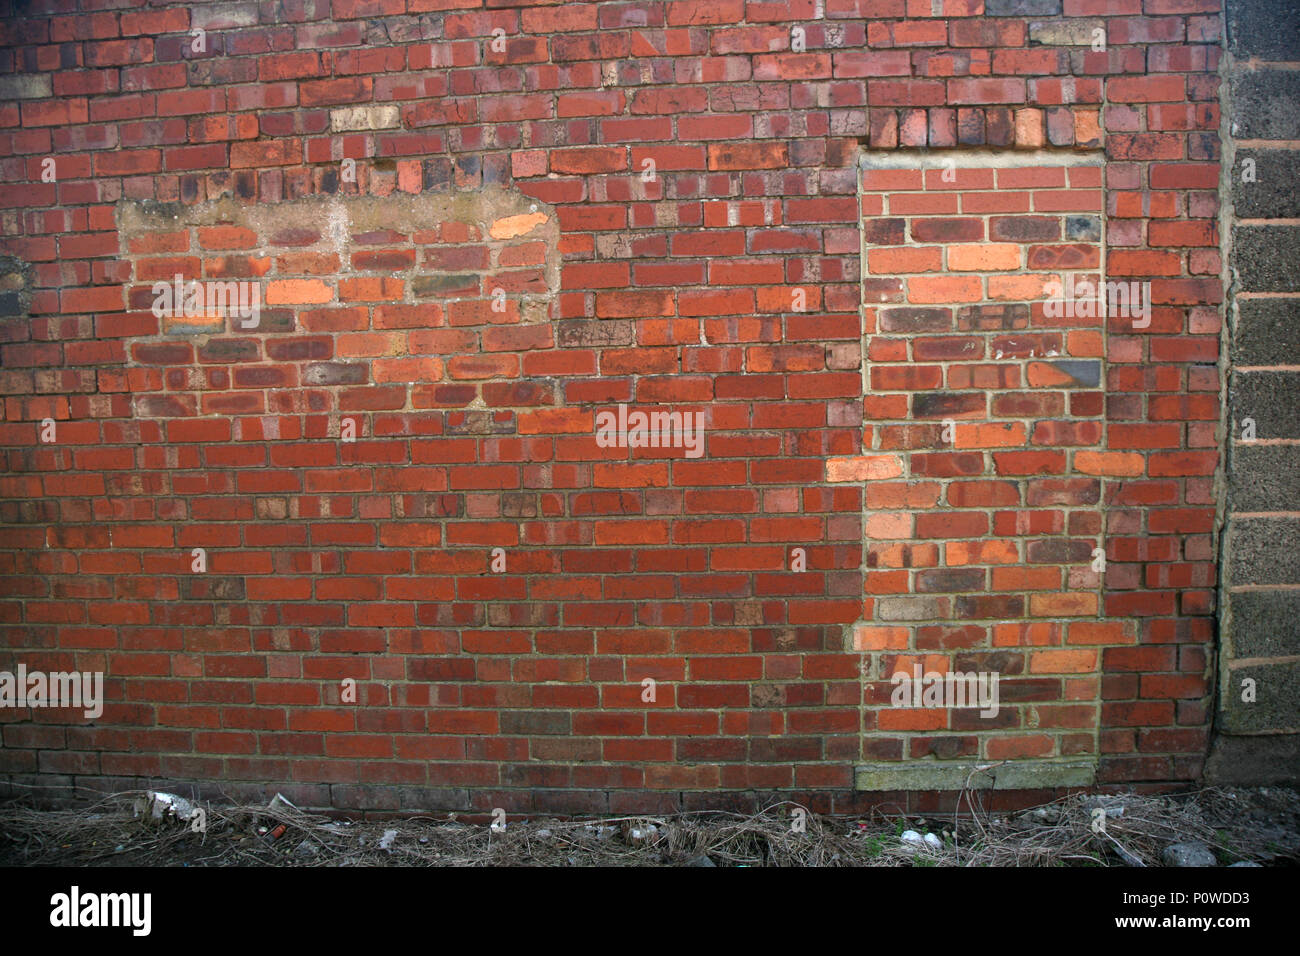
959, 553
888, 527
1026, 634
407, 370
1062, 662
892, 179
1027, 579
936, 663
991, 435
298, 292
550, 421
981, 257
880, 638
945, 289
1100, 632
1077, 604
1019, 288
863, 468
889, 261
371, 289
904, 555
483, 366
780, 298
1085, 343
1087, 128
922, 204
227, 237
162, 242
1127, 463
513, 226
1047, 375
1029, 128
631, 532
887, 582
1143, 205
1070, 200
1020, 177
370, 343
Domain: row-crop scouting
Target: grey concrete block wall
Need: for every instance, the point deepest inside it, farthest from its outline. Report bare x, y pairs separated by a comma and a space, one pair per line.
1266, 332
1263, 184
1266, 105
1257, 731
1267, 29
1266, 258
1269, 397
1264, 477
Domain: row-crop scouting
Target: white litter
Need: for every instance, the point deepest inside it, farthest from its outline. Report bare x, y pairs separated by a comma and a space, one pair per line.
277, 800
162, 806
641, 835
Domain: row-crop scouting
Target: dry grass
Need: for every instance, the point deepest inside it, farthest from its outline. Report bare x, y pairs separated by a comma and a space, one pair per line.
114, 831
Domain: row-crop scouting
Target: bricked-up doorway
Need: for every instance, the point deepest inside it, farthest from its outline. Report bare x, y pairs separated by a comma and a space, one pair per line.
983, 435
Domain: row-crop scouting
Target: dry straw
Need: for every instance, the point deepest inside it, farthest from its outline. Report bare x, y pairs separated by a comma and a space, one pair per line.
113, 831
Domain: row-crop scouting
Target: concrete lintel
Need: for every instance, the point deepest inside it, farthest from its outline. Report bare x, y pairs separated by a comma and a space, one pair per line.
959, 775
982, 157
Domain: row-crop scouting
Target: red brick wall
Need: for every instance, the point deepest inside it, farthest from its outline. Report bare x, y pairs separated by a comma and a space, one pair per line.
670, 284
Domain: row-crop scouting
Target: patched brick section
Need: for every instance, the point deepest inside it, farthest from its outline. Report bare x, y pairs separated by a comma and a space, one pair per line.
25, 355
984, 451
368, 306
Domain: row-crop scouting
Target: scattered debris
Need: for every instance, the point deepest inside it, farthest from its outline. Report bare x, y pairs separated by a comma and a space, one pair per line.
1238, 827
930, 840
640, 834
600, 831
1048, 815
1112, 805
162, 806
1189, 853
1125, 855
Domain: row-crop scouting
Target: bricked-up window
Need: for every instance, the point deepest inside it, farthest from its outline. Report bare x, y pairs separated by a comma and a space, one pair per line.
361, 313
984, 412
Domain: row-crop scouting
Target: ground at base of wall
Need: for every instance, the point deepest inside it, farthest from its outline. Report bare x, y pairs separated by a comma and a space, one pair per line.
1215, 827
